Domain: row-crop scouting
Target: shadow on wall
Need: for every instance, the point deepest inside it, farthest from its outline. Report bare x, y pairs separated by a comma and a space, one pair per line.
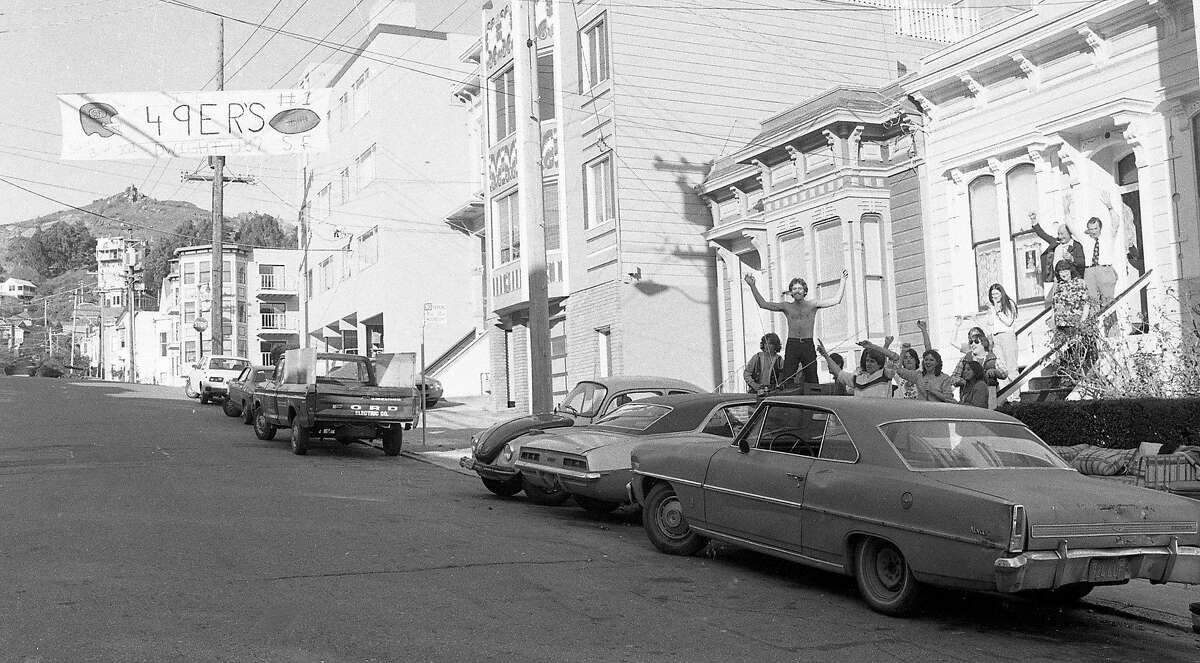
688, 176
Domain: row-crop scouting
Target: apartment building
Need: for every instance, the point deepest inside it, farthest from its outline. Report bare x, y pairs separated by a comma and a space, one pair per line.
634, 105
379, 250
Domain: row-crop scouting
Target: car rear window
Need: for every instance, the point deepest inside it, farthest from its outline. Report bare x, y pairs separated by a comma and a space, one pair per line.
958, 445
342, 372
634, 416
227, 364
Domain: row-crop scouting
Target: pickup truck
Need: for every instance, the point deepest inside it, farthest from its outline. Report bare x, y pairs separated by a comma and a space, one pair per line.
345, 397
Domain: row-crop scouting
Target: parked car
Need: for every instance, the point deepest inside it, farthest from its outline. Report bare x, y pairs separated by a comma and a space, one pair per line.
591, 463
209, 377
901, 494
240, 399
493, 449
432, 391
345, 397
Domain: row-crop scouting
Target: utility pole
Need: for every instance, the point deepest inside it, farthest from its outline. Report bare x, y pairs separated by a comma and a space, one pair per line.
74, 313
306, 177
532, 210
217, 336
46, 327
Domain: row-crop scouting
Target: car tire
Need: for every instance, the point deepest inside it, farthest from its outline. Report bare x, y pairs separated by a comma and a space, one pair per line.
263, 429
393, 440
593, 505
884, 578
204, 397
230, 408
666, 526
300, 439
188, 391
247, 413
541, 496
503, 488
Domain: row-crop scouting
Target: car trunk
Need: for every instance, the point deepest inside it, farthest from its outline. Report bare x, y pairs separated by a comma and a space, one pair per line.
342, 401
1066, 506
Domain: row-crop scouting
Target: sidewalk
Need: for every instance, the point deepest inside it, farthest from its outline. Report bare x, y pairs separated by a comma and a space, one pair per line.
450, 425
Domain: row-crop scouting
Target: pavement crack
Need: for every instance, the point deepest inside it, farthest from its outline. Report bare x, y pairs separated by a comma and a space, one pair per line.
425, 569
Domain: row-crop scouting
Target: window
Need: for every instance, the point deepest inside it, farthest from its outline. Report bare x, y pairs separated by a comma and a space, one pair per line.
242, 274
727, 421
346, 259
595, 54
364, 169
344, 185
1027, 248
637, 417
189, 352
361, 98
599, 191
506, 224
323, 205
833, 322
947, 444
789, 429
227, 272
205, 273
368, 248
189, 311
584, 399
985, 234
326, 272
162, 344
873, 274
550, 215
343, 111
604, 352
189, 273
545, 73
504, 105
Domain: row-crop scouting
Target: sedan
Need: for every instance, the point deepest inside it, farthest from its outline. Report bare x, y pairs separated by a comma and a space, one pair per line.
241, 392
591, 463
494, 449
904, 494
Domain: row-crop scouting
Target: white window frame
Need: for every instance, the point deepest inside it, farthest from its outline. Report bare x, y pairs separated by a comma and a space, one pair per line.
364, 169
503, 88
599, 191
362, 97
506, 228
594, 53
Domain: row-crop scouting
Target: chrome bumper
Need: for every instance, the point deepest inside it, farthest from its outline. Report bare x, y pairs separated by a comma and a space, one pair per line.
487, 471
1047, 569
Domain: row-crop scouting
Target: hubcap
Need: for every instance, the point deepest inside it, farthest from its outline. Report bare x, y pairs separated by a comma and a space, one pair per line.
889, 568
670, 518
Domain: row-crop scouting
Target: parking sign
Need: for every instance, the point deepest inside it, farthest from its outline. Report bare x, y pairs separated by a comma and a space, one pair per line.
435, 314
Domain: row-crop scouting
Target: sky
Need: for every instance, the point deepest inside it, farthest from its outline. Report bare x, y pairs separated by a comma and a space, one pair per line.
53, 47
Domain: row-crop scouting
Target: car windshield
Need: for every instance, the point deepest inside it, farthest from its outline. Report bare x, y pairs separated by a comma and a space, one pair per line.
957, 445
227, 364
584, 399
634, 416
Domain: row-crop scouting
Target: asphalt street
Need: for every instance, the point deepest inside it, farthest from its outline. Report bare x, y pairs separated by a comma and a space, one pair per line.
138, 525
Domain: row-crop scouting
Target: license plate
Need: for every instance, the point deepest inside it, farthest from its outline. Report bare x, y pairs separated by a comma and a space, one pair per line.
1108, 570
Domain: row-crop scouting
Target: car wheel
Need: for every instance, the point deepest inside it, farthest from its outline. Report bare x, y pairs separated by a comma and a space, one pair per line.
666, 526
230, 408
592, 505
300, 439
539, 495
204, 397
263, 429
188, 391
393, 439
503, 488
247, 413
884, 578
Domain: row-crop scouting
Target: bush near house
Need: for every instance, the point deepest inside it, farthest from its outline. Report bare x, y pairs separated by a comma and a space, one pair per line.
1114, 423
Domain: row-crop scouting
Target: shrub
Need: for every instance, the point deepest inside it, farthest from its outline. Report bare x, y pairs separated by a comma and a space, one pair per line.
1121, 423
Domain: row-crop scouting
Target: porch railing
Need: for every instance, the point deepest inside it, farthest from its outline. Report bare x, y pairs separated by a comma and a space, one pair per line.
1024, 376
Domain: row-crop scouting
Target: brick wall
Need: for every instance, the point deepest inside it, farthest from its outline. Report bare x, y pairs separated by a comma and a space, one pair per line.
588, 310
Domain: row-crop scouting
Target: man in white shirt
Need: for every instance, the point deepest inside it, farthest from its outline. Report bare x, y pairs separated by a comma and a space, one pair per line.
1102, 250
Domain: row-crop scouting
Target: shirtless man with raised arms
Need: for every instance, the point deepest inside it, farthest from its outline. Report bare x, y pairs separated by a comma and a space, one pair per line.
800, 353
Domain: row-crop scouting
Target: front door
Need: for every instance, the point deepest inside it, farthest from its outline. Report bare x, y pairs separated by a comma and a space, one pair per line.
1131, 208
758, 494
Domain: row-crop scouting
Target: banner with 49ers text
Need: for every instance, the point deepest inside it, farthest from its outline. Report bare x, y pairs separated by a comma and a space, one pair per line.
150, 125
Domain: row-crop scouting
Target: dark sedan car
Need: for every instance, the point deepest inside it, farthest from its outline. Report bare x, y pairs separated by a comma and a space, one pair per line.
591, 463
241, 392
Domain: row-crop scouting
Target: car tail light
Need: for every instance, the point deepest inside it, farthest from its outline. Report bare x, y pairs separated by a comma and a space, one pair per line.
1016, 533
575, 463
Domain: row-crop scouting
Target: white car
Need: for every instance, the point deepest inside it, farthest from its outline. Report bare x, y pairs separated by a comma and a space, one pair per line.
211, 375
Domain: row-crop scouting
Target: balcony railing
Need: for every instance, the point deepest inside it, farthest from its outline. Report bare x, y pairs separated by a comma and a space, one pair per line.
275, 282
277, 322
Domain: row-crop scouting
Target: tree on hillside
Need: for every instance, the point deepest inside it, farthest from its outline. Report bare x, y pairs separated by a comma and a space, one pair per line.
257, 229
57, 249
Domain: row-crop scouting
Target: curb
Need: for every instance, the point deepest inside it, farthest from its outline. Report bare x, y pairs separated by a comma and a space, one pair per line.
1137, 613
422, 457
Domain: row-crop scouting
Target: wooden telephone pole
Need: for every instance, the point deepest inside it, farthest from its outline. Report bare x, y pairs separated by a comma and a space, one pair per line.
217, 336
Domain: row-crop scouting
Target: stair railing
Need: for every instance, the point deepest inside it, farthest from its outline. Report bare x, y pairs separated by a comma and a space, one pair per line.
1023, 377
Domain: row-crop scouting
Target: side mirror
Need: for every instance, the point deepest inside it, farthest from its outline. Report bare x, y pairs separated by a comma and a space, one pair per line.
743, 445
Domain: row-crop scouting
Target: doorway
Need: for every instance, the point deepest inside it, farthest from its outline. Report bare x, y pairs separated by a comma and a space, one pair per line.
1127, 185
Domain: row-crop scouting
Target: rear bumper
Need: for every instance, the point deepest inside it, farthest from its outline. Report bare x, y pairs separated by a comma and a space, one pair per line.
1048, 569
610, 486
216, 388
494, 472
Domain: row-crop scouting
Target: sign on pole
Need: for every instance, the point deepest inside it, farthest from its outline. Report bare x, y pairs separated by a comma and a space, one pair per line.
435, 314
148, 125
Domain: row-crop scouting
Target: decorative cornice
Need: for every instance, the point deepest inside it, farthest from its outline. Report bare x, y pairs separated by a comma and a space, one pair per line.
995, 166
973, 86
1167, 14
1098, 44
956, 176
1031, 72
925, 105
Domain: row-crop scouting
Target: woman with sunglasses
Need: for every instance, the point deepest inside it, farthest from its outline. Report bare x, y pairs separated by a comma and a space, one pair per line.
979, 349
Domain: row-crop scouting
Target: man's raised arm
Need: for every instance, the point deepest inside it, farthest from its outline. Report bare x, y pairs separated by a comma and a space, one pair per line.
762, 303
836, 298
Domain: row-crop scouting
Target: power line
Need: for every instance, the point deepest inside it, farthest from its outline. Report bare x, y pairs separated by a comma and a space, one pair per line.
270, 38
